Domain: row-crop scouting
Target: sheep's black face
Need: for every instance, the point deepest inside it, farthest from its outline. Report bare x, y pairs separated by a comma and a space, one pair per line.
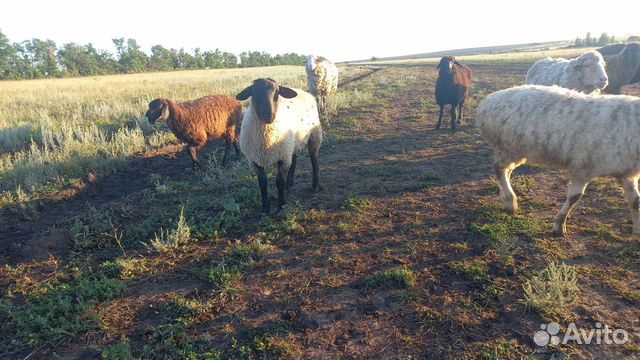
264, 98
157, 111
446, 64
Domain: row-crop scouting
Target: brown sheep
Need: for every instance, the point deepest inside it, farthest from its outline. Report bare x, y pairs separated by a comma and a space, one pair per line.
623, 65
452, 87
197, 121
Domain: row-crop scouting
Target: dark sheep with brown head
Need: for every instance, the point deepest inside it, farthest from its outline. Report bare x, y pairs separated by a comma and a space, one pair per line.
452, 87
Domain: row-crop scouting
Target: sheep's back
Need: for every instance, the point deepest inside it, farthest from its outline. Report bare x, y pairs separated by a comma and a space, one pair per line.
208, 118
323, 79
215, 115
563, 129
455, 88
547, 72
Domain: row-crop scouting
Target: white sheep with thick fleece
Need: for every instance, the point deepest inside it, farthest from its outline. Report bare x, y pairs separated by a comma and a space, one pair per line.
585, 73
588, 135
296, 119
322, 78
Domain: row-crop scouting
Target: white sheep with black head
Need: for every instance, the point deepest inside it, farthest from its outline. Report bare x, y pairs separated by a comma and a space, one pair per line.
279, 123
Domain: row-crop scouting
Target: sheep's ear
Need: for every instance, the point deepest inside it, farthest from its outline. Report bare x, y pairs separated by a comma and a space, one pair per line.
582, 60
576, 63
287, 92
439, 64
165, 111
244, 94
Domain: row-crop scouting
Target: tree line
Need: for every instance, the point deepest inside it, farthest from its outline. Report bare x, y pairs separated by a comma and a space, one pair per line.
35, 58
602, 40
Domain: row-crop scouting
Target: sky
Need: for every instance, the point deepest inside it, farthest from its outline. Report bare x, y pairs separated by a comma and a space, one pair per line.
339, 30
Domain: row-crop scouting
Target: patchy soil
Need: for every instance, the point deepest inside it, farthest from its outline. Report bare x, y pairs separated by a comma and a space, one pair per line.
396, 194
38, 229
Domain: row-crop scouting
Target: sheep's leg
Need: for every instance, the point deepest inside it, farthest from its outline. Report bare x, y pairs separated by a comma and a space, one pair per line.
576, 189
314, 153
453, 117
236, 146
460, 107
291, 174
440, 117
508, 197
283, 169
227, 149
630, 186
262, 182
193, 152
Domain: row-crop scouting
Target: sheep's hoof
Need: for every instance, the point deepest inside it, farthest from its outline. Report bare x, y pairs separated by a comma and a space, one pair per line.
197, 166
510, 209
559, 230
560, 233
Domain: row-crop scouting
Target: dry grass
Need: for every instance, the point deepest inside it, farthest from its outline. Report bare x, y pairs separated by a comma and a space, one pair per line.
553, 291
54, 131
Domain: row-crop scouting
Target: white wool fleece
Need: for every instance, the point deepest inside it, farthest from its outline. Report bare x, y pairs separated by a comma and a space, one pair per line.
585, 73
296, 119
322, 76
588, 135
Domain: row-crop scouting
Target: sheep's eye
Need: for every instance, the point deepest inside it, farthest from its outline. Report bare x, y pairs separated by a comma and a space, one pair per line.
275, 97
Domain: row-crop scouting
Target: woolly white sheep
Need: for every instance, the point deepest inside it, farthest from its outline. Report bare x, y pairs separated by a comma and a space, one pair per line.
588, 135
585, 73
322, 78
279, 122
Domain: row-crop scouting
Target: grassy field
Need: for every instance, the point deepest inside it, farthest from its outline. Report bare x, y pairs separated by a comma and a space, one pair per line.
114, 248
53, 132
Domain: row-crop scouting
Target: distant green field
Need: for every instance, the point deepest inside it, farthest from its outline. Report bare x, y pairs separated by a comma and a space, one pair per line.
524, 56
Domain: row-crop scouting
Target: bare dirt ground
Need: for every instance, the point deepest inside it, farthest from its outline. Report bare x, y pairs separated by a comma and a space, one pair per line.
396, 194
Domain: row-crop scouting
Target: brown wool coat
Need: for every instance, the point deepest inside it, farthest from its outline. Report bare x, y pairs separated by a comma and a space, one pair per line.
208, 118
455, 87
